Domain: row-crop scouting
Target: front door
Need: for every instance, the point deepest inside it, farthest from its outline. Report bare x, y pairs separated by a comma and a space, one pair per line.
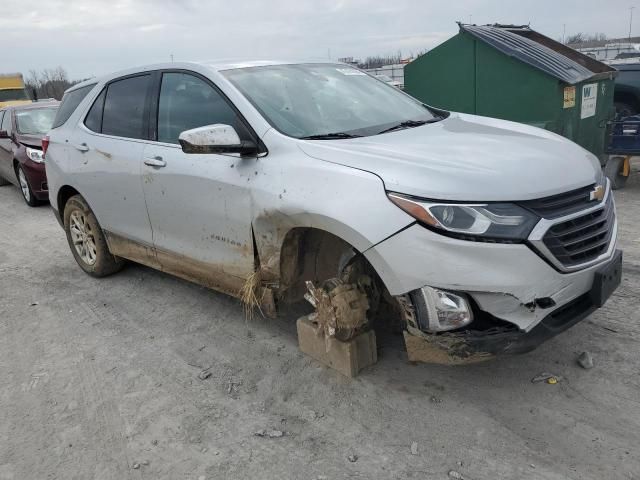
6, 148
199, 204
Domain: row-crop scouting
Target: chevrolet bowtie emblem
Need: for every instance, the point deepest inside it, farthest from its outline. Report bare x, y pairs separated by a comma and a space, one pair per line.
597, 193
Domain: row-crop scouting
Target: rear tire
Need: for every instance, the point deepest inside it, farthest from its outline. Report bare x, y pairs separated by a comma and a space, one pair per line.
613, 170
86, 240
25, 188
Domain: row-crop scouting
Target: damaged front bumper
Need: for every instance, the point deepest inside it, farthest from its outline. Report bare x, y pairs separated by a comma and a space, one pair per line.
520, 299
501, 338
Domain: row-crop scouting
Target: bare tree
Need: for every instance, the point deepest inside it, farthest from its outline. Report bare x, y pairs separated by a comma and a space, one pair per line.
48, 83
581, 37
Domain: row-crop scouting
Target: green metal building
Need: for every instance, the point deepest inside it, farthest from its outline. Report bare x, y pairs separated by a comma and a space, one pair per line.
515, 73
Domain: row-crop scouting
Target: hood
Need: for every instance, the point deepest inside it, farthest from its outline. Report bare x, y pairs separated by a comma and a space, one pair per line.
466, 158
30, 140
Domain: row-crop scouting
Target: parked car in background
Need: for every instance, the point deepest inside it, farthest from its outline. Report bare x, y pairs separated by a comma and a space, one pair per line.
481, 236
389, 81
626, 95
21, 157
12, 90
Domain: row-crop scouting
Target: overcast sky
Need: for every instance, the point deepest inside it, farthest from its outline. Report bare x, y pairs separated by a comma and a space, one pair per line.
94, 37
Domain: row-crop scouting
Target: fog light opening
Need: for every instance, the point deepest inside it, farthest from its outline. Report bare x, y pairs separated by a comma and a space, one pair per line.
445, 310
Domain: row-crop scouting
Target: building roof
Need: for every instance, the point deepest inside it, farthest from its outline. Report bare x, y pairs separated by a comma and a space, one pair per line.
512, 41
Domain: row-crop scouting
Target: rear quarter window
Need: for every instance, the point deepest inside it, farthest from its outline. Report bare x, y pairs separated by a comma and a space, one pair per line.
70, 102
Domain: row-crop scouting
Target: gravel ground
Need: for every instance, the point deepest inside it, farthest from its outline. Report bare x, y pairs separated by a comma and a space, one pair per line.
99, 380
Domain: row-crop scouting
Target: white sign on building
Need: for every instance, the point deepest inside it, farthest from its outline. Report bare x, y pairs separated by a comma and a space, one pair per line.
589, 100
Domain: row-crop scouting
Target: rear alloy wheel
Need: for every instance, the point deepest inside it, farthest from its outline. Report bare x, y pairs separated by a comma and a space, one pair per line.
25, 188
87, 241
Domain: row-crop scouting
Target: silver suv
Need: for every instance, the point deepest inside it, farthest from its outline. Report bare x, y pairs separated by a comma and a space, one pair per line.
268, 180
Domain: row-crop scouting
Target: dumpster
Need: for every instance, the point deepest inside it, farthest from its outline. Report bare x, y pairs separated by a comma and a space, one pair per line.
515, 73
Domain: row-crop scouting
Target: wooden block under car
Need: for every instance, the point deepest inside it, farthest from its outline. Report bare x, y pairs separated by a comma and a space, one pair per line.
347, 357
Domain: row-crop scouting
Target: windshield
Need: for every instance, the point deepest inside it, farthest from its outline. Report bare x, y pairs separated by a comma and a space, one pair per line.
11, 94
308, 100
35, 121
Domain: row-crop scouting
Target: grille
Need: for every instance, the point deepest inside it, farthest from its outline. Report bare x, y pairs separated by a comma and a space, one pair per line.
562, 204
583, 238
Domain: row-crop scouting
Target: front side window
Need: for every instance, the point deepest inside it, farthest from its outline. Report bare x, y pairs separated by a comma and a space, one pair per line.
306, 100
35, 121
6, 122
124, 106
70, 102
187, 102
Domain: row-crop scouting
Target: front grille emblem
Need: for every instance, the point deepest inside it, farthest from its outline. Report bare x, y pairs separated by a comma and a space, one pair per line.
597, 193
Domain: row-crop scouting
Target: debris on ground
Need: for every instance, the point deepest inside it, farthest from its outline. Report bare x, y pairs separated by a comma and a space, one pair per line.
414, 448
204, 374
154, 442
546, 377
352, 458
269, 433
456, 475
435, 399
33, 304
135, 466
145, 462
232, 386
585, 360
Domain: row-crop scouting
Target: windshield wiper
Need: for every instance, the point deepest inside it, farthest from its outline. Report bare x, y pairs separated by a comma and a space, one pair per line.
409, 124
330, 136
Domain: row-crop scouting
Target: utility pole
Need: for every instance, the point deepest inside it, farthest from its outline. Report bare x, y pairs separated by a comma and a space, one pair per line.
564, 32
630, 21
171, 57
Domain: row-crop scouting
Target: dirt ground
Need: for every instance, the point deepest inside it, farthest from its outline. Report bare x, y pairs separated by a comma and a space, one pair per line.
97, 376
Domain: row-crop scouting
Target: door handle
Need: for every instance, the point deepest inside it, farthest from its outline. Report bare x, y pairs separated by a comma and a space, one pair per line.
156, 161
83, 147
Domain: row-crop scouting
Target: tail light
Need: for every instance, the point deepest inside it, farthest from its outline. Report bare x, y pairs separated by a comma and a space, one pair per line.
45, 145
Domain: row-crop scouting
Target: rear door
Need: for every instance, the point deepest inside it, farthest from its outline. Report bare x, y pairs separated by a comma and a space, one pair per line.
106, 154
199, 204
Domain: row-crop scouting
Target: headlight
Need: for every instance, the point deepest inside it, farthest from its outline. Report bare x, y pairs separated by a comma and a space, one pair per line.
500, 221
35, 154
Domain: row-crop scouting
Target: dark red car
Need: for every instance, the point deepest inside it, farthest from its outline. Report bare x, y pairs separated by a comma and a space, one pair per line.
21, 160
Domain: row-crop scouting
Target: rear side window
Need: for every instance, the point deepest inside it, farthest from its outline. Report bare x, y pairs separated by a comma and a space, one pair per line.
123, 111
94, 117
70, 102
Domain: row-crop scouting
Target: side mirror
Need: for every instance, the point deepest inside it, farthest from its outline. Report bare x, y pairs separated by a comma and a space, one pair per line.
4, 134
215, 139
